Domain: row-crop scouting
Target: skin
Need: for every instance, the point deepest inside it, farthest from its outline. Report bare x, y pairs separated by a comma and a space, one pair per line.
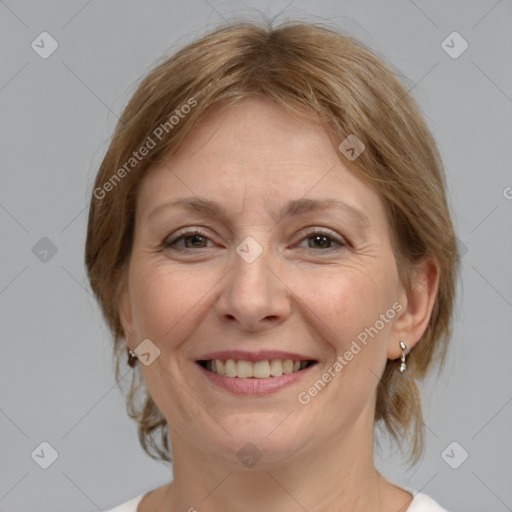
199, 295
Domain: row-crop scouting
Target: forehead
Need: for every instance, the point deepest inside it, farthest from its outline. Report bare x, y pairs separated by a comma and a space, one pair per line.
257, 125
255, 151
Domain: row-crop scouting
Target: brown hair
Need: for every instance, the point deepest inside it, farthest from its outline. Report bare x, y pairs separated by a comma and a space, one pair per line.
311, 71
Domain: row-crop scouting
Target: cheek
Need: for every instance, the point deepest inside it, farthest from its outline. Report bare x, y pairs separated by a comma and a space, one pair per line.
166, 301
354, 314
346, 300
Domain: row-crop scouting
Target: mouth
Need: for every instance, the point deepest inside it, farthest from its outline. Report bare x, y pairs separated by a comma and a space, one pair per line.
243, 373
243, 369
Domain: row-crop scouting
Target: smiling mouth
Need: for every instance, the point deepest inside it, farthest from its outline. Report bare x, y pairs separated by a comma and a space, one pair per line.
258, 370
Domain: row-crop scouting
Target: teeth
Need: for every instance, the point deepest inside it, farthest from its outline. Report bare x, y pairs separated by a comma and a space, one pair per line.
244, 369
276, 368
230, 368
287, 366
259, 370
221, 367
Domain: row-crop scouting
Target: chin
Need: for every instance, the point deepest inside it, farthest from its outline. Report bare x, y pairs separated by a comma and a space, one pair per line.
259, 441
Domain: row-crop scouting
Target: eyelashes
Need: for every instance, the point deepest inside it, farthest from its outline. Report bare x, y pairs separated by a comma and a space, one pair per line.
183, 234
318, 235
325, 234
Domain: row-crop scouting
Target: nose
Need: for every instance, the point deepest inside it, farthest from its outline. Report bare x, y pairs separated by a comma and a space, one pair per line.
255, 296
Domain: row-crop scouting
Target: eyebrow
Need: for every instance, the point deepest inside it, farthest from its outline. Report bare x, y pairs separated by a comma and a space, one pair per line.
291, 208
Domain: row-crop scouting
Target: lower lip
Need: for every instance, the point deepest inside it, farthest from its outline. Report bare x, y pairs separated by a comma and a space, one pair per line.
254, 386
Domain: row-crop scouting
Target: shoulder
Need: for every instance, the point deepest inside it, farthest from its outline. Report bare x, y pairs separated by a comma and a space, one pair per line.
420, 503
423, 503
128, 506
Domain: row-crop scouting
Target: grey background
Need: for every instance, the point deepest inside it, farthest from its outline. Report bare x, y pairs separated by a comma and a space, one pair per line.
57, 382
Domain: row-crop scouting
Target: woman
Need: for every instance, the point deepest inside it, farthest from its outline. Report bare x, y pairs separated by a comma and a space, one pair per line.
270, 242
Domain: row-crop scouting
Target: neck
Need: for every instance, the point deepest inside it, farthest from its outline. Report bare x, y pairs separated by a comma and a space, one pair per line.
338, 475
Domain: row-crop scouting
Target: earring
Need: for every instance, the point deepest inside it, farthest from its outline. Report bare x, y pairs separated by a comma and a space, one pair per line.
132, 357
403, 365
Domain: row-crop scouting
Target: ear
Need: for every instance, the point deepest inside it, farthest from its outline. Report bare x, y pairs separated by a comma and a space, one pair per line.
412, 321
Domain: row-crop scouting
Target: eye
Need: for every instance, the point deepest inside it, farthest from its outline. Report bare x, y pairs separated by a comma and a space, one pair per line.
195, 236
321, 237
197, 239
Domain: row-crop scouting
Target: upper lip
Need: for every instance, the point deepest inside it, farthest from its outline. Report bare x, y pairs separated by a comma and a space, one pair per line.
262, 355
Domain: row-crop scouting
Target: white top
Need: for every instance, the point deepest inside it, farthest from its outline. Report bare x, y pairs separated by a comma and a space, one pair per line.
420, 503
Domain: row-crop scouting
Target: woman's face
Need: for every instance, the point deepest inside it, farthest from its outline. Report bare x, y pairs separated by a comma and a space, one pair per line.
257, 284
